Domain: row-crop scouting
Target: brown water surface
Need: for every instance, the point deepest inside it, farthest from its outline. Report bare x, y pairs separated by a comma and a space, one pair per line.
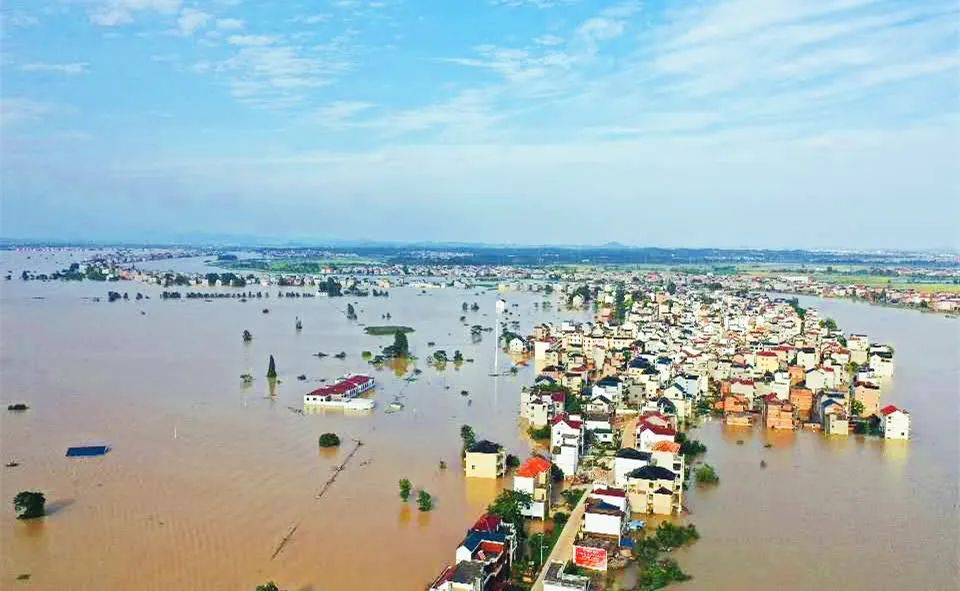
206, 475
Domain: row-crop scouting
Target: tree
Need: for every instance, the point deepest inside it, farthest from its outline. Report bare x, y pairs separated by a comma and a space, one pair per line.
671, 288
247, 337
424, 501
29, 504
405, 487
467, 436
400, 345
329, 440
512, 461
830, 324
351, 313
509, 506
272, 368
268, 586
856, 407
706, 475
539, 433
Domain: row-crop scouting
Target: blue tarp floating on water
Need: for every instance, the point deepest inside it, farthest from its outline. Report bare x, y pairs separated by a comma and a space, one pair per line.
87, 451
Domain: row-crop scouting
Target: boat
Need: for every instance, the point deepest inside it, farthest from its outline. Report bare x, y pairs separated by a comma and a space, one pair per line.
344, 392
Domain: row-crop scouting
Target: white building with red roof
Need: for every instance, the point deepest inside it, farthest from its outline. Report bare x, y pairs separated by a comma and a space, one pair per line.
534, 478
894, 422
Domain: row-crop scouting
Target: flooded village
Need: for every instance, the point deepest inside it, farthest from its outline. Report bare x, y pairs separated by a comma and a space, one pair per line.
498, 426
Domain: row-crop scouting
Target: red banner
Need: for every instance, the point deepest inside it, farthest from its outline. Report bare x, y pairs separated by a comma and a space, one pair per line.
587, 557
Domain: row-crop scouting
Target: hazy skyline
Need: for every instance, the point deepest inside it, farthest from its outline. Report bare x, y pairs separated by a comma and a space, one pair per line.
761, 123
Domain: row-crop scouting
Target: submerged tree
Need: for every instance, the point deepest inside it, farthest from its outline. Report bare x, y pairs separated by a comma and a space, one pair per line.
400, 345
424, 501
272, 368
329, 440
351, 313
268, 586
29, 504
247, 337
467, 436
405, 488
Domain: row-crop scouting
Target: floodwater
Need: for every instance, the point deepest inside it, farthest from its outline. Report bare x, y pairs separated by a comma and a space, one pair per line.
841, 513
206, 476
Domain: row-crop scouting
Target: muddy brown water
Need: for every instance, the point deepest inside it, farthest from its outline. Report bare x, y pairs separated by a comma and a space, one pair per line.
206, 509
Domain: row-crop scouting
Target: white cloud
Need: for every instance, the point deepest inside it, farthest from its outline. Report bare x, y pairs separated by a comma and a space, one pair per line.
230, 24
340, 113
549, 40
71, 69
16, 110
111, 13
251, 40
190, 20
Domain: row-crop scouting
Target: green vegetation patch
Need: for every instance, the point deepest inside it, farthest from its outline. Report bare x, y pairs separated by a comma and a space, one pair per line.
387, 330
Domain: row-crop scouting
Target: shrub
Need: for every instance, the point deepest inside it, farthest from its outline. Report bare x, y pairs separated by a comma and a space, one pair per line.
539, 433
405, 487
424, 501
705, 474
329, 440
29, 504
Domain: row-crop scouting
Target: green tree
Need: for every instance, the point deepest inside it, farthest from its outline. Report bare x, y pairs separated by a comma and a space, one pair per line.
424, 501
272, 368
705, 474
405, 487
671, 288
509, 506
539, 433
467, 436
268, 586
329, 440
29, 504
829, 324
400, 345
351, 313
856, 407
247, 337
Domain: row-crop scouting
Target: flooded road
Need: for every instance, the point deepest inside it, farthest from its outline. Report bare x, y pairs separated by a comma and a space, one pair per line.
206, 475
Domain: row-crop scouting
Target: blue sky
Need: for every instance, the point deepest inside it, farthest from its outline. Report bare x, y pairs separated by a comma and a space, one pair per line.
766, 123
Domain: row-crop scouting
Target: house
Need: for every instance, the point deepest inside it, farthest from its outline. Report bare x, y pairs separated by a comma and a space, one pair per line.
534, 478
517, 345
807, 358
868, 395
648, 434
557, 579
734, 403
627, 460
566, 443
485, 459
894, 422
654, 489
602, 518
483, 558
767, 361
802, 400
778, 414
743, 387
